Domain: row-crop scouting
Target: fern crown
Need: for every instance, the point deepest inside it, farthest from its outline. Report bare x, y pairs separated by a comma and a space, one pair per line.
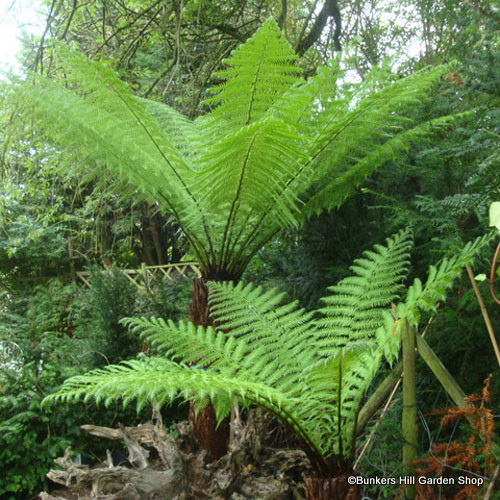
273, 150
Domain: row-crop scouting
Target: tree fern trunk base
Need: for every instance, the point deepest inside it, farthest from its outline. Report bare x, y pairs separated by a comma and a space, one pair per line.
210, 437
332, 488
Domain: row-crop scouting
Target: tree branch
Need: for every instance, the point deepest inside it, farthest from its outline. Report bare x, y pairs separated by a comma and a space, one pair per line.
282, 18
330, 9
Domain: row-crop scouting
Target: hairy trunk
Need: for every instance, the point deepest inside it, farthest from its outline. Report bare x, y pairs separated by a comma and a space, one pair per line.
331, 488
211, 437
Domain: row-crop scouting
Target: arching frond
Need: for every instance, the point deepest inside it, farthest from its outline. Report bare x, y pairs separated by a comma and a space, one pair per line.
351, 130
354, 310
258, 73
102, 122
178, 128
424, 297
334, 193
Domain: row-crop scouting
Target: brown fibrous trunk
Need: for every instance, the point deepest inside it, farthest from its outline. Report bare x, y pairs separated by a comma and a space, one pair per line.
331, 488
211, 437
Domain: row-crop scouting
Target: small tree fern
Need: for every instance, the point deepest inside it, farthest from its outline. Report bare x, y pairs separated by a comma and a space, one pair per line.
308, 369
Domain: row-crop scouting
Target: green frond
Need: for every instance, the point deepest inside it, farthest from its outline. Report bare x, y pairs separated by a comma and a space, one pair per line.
101, 122
354, 309
352, 129
160, 381
178, 128
185, 342
279, 336
258, 73
338, 190
376, 116
422, 297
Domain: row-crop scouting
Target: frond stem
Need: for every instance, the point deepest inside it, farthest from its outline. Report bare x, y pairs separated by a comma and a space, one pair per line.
236, 199
172, 168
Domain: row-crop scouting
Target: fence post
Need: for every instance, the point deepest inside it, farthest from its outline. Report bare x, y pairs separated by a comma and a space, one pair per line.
145, 275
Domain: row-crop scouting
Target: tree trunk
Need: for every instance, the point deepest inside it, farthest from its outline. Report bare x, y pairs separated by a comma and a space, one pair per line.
211, 437
332, 488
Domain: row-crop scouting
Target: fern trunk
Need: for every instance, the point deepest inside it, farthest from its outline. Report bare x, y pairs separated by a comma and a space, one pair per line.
211, 437
332, 488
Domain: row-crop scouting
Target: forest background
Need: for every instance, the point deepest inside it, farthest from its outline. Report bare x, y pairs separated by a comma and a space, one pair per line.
55, 224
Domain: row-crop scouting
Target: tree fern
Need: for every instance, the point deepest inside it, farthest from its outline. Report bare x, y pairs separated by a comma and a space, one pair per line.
273, 149
310, 370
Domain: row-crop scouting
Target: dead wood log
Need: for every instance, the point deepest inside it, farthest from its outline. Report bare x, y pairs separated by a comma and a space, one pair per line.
137, 455
117, 483
251, 470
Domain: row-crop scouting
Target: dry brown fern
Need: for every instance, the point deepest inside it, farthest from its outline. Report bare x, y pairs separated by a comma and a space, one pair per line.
470, 459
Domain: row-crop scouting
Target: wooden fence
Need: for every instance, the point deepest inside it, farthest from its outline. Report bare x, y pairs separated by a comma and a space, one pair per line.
144, 275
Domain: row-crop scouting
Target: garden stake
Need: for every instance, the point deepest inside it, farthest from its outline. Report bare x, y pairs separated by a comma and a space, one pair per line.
409, 424
387, 382
442, 374
484, 312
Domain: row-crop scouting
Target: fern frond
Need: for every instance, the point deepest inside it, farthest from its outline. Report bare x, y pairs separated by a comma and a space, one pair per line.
160, 381
338, 190
258, 73
354, 309
102, 122
186, 342
377, 116
271, 330
178, 128
422, 297
350, 130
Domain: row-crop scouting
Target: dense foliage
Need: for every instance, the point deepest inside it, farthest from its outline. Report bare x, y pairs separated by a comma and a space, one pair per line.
61, 211
59, 331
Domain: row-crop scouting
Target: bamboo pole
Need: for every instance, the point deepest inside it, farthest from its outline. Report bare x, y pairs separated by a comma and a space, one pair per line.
387, 388
376, 400
484, 312
489, 491
409, 421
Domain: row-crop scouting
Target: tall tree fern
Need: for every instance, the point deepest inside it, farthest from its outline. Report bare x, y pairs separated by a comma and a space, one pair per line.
273, 149
309, 369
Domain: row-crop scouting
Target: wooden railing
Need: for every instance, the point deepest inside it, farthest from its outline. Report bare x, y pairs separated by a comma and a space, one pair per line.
143, 276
